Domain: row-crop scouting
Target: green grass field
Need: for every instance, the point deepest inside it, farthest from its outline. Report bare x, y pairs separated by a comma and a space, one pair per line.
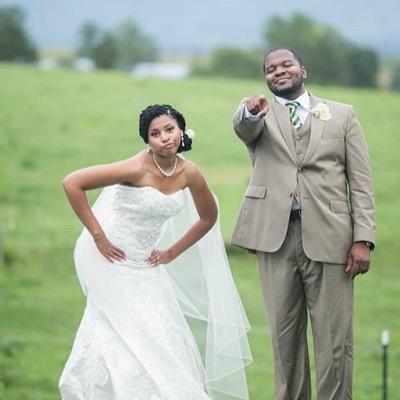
54, 122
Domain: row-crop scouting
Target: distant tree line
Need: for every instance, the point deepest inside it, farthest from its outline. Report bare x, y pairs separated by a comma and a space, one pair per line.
328, 56
122, 48
231, 62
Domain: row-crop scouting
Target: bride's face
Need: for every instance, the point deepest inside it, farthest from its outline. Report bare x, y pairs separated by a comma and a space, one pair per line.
164, 135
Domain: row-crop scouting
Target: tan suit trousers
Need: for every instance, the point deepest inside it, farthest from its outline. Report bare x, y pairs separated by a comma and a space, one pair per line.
293, 288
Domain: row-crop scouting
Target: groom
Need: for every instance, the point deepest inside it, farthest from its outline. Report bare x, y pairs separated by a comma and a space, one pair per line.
308, 212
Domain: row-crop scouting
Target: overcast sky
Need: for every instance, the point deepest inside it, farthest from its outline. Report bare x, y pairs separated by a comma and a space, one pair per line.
188, 25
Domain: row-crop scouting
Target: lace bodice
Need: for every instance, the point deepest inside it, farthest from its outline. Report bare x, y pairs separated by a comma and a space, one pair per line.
138, 215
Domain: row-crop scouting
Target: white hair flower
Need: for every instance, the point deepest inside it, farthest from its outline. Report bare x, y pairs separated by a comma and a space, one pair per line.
190, 133
322, 112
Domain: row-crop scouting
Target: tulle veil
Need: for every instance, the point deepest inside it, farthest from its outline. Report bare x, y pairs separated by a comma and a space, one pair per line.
204, 288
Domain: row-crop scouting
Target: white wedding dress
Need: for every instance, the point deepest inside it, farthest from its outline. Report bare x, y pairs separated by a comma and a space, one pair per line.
134, 342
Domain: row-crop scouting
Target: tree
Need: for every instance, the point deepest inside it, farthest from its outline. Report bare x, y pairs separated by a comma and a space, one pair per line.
328, 56
133, 46
395, 85
362, 66
299, 33
89, 38
105, 52
15, 43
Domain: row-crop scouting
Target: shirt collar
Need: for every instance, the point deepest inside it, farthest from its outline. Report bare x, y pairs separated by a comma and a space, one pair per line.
303, 99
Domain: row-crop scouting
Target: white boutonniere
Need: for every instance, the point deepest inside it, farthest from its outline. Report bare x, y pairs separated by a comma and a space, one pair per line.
190, 133
322, 112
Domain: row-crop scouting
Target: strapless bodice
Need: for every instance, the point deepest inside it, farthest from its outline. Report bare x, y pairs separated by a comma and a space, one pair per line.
138, 215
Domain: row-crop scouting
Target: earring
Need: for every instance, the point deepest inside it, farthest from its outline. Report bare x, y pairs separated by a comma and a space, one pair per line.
148, 148
182, 140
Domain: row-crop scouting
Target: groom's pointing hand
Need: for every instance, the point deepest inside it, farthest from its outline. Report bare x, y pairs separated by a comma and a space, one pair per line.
258, 105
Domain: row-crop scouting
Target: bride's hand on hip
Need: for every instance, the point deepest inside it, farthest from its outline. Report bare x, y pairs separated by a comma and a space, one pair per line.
158, 257
108, 250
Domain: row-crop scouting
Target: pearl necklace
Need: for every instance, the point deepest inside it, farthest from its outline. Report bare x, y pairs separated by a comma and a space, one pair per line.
166, 174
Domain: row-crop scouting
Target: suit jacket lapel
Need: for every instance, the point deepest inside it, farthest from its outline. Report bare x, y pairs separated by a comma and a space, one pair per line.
282, 116
317, 128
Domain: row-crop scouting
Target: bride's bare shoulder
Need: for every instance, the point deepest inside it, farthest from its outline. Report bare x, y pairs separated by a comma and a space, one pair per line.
188, 167
191, 172
136, 165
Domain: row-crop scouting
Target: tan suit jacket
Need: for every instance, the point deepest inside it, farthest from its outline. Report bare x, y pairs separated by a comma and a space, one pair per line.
334, 182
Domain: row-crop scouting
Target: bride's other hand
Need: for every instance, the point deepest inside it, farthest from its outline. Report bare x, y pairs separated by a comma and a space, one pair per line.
158, 257
108, 250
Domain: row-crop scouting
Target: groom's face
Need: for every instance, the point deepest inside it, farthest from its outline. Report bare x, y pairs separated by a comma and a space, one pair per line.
284, 74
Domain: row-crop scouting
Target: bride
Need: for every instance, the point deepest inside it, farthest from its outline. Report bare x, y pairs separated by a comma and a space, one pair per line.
163, 319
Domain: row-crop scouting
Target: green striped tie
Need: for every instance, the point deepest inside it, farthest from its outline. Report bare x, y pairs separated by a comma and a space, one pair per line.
293, 116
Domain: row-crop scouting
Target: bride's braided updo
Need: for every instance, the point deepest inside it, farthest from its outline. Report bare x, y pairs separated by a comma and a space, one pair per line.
157, 110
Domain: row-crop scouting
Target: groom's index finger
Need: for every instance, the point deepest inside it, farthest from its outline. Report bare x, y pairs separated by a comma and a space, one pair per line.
264, 106
262, 99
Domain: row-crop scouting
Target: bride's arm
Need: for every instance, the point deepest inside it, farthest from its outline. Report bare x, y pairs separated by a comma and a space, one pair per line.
207, 210
75, 185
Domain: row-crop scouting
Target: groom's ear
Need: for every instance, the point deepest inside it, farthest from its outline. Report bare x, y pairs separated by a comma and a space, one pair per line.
303, 72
